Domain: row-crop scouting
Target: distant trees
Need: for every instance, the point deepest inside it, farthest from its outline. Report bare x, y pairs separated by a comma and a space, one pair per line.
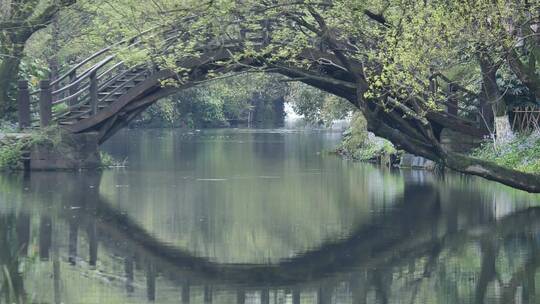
217, 103
316, 106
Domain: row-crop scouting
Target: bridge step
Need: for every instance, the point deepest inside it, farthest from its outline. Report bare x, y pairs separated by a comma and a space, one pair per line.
126, 78
109, 93
67, 123
127, 86
88, 107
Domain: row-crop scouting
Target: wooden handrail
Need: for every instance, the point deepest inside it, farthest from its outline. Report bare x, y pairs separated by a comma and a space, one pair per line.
77, 94
89, 71
110, 69
90, 79
70, 108
114, 78
85, 74
75, 68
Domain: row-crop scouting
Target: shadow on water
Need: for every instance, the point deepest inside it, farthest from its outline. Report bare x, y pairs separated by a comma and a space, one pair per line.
439, 243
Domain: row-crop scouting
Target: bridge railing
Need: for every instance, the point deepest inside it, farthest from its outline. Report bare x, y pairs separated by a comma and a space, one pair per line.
79, 86
78, 89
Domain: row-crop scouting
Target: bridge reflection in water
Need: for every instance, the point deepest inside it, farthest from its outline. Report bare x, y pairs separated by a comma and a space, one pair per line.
438, 242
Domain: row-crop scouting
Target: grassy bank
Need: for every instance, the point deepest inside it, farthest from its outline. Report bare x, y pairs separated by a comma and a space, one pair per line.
522, 153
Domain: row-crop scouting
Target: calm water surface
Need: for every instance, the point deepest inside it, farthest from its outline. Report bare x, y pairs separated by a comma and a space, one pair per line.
262, 216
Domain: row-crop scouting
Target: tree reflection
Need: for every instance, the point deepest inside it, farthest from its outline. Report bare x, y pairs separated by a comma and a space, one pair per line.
430, 247
11, 248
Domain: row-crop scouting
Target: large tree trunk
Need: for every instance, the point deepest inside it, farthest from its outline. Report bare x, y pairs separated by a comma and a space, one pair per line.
23, 20
12, 46
9, 69
489, 170
456, 161
462, 163
493, 96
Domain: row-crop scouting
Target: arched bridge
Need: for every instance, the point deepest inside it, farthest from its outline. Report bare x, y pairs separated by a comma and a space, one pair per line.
103, 93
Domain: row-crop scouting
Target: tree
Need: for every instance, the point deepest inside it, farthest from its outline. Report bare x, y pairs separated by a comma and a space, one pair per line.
19, 20
390, 59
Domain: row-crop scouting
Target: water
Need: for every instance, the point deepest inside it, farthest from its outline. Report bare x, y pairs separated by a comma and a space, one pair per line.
267, 216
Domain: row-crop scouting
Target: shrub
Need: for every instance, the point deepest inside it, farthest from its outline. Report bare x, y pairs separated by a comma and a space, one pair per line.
359, 144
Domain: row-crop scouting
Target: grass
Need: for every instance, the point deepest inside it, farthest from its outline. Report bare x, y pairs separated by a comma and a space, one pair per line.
522, 153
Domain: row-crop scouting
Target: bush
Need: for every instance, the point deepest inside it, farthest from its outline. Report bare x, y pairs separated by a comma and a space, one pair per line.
11, 152
359, 144
10, 157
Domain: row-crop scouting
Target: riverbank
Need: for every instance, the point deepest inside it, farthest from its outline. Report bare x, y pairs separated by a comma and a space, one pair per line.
51, 149
522, 153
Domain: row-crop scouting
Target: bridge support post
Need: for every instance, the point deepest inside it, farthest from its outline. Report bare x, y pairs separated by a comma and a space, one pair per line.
23, 103
207, 294
185, 293
129, 262
265, 296
93, 93
45, 103
296, 296
45, 237
452, 101
151, 281
72, 237
74, 89
72, 152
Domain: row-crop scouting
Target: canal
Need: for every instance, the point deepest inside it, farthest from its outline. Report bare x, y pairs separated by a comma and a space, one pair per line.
262, 216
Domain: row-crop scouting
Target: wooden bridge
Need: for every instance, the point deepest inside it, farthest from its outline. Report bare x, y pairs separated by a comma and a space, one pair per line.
103, 93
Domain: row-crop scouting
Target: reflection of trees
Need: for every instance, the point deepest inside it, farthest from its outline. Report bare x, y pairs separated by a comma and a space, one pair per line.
11, 280
524, 276
488, 251
422, 248
276, 199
